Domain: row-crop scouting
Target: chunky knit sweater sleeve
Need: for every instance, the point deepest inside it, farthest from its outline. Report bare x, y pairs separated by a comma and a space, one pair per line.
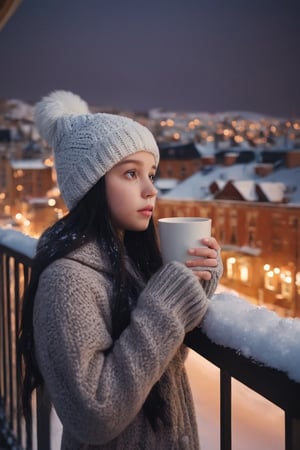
97, 386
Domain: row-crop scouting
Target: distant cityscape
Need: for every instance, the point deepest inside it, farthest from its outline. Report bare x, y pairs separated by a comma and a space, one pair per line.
240, 168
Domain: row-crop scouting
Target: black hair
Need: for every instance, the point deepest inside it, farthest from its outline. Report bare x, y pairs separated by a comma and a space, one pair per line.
88, 221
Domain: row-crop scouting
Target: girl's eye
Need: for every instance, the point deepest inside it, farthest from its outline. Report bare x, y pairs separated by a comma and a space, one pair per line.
152, 177
131, 174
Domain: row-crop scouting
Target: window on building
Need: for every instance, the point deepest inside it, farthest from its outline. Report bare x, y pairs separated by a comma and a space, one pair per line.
233, 238
298, 282
251, 238
286, 284
276, 243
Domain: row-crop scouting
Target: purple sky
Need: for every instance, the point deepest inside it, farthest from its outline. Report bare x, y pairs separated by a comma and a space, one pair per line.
205, 55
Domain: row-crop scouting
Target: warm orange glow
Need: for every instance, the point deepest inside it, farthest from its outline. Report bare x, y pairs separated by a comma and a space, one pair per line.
244, 273
48, 162
238, 138
18, 173
170, 123
230, 262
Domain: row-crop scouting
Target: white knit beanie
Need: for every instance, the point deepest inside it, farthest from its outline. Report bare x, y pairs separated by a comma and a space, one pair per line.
87, 145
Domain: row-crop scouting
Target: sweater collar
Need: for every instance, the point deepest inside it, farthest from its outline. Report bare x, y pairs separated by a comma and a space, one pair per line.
92, 256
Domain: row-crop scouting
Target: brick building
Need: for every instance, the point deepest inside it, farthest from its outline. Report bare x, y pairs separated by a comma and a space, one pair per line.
179, 160
260, 247
28, 178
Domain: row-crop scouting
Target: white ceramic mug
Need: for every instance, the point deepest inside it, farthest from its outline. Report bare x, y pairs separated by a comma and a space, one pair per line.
178, 234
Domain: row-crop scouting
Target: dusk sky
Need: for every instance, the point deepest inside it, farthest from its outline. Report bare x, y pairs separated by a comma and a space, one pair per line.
190, 55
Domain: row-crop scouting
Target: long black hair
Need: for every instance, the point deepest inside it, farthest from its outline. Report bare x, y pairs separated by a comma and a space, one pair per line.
89, 221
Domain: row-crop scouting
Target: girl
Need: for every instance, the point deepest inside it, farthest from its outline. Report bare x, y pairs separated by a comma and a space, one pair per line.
104, 321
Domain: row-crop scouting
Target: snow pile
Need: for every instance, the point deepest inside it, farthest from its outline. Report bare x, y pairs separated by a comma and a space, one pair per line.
18, 241
255, 332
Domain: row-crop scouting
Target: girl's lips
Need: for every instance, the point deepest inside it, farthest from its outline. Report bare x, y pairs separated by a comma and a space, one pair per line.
146, 212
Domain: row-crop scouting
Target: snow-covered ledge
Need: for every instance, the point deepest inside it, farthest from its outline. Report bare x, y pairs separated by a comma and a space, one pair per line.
255, 332
230, 321
15, 240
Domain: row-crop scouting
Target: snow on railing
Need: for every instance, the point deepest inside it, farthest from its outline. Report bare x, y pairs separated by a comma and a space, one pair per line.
15, 240
231, 321
255, 332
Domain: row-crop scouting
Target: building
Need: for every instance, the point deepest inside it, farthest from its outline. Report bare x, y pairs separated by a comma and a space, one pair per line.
260, 247
26, 178
179, 160
256, 219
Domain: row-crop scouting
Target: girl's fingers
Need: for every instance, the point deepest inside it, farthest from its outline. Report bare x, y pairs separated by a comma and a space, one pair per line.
202, 262
210, 249
202, 275
211, 242
204, 256
203, 252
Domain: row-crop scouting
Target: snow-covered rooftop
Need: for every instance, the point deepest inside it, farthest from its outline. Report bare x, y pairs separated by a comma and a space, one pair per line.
247, 189
196, 187
273, 190
27, 164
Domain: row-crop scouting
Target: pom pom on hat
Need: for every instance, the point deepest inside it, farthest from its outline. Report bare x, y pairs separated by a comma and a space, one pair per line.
87, 145
55, 106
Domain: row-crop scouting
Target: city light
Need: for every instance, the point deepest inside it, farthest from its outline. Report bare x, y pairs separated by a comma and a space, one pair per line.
51, 202
244, 273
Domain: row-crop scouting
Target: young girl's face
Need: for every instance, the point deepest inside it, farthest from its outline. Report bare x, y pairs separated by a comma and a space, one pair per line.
130, 192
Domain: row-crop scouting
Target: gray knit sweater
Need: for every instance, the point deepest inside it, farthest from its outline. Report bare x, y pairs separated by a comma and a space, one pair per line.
99, 395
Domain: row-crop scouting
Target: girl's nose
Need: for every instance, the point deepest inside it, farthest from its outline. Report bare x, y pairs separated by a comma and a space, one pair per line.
149, 189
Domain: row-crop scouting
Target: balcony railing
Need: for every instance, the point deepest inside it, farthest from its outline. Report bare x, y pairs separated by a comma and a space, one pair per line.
275, 385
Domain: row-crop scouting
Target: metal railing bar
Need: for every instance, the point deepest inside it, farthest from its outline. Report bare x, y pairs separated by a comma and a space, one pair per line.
20, 257
225, 410
43, 419
16, 323
4, 323
249, 372
2, 337
292, 433
9, 340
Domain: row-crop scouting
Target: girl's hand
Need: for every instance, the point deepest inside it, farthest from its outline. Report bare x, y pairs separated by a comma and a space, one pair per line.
204, 258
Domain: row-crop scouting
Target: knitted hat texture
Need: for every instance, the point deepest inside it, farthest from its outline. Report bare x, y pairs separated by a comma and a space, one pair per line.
87, 145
